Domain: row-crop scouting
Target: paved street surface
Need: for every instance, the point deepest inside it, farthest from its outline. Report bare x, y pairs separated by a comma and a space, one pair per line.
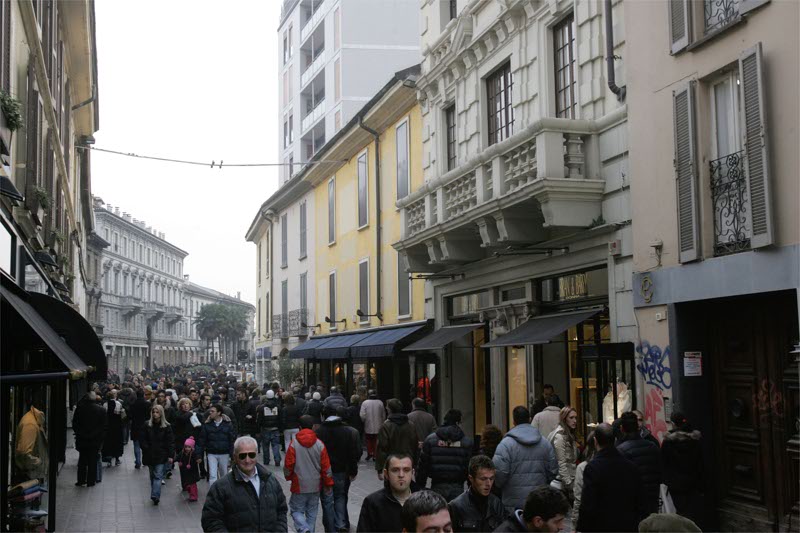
122, 501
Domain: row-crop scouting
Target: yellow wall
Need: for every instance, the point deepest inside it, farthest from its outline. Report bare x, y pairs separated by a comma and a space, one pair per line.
353, 244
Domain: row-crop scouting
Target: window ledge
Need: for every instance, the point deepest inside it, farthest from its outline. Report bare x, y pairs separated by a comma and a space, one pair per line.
708, 37
285, 266
365, 226
403, 317
302, 257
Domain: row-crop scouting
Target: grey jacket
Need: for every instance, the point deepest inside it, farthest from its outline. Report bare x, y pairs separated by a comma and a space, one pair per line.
373, 414
524, 461
577, 490
423, 422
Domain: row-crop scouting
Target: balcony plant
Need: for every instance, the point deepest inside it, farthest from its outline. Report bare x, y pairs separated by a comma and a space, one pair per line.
10, 120
42, 203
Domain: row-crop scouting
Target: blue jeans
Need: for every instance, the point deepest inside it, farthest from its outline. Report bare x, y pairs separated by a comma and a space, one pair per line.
271, 437
156, 475
341, 488
328, 511
304, 509
137, 453
217, 463
99, 466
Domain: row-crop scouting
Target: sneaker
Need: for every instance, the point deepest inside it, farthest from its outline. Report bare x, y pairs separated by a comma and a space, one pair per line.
118, 462
155, 501
79, 484
163, 482
137, 467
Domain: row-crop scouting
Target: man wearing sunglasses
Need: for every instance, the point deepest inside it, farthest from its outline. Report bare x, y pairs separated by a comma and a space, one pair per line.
248, 498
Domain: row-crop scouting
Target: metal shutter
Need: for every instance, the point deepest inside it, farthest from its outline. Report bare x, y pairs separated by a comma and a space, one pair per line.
679, 21
686, 174
753, 122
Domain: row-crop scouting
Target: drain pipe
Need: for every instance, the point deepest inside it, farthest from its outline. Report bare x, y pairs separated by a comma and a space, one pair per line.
612, 82
378, 258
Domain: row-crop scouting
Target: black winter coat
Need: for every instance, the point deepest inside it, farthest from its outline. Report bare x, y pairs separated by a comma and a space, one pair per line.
314, 410
89, 424
397, 435
190, 469
611, 499
158, 445
269, 415
112, 444
470, 512
647, 458
334, 401
354, 417
445, 456
513, 524
380, 513
244, 426
140, 414
682, 456
216, 439
343, 444
183, 429
290, 417
233, 505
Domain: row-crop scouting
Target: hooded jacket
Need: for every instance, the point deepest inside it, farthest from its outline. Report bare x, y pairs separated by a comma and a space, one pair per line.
216, 439
647, 458
396, 435
445, 456
682, 456
269, 415
547, 420
307, 465
334, 401
342, 443
524, 461
513, 524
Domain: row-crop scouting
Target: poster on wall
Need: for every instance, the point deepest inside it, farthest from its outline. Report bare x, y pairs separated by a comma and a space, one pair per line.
692, 364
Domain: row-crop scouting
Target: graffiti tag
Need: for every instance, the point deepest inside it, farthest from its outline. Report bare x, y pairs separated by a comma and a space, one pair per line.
654, 404
655, 365
768, 400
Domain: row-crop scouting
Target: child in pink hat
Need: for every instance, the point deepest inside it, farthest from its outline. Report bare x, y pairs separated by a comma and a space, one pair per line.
190, 474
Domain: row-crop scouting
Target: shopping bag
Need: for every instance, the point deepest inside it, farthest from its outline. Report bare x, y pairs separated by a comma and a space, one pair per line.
665, 504
195, 421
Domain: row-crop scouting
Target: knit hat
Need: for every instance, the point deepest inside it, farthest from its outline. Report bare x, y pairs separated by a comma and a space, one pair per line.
270, 394
189, 442
317, 396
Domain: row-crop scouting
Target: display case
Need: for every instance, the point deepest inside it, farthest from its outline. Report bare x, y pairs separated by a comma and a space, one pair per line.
608, 382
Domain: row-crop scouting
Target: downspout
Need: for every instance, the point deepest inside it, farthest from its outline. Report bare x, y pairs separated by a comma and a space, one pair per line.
612, 81
268, 217
378, 254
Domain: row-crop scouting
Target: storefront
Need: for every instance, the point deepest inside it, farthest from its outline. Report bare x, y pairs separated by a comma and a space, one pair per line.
363, 360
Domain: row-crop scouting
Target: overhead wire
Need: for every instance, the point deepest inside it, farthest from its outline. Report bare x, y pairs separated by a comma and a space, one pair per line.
213, 163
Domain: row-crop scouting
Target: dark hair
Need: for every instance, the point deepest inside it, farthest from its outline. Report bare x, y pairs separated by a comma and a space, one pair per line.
521, 415
328, 410
680, 421
422, 503
604, 434
204, 396
452, 417
140, 393
394, 405
218, 407
548, 386
399, 456
478, 462
418, 403
306, 422
341, 412
544, 502
629, 423
590, 449
490, 438
553, 400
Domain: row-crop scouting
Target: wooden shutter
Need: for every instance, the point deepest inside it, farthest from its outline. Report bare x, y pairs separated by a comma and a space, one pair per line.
746, 6
686, 174
753, 122
5, 12
32, 139
679, 24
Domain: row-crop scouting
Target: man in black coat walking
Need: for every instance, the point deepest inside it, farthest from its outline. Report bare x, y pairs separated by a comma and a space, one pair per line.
140, 413
445, 457
611, 499
344, 450
89, 423
647, 458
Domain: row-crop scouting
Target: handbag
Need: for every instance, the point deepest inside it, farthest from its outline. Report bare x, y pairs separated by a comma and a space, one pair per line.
195, 421
556, 484
665, 503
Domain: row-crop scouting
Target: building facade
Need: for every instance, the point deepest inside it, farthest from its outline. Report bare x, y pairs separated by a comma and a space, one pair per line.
716, 233
145, 304
522, 225
334, 54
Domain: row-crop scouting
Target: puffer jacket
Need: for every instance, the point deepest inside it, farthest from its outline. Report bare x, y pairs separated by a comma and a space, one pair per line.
465, 512
314, 410
290, 417
396, 435
232, 504
647, 458
445, 456
566, 454
216, 439
524, 461
334, 401
158, 445
547, 421
269, 415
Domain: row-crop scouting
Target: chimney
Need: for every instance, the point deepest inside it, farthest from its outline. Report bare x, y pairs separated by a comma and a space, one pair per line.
97, 201
110, 207
186, 277
238, 295
116, 210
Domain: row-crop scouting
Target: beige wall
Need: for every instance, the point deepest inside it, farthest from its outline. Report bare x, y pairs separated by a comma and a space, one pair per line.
652, 76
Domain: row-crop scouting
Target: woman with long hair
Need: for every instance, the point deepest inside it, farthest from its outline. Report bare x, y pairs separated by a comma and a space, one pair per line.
158, 449
112, 444
565, 444
577, 487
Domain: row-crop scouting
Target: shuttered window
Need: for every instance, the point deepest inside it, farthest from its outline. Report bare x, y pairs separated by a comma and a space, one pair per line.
303, 231
363, 289
332, 211
401, 145
678, 24
259, 263
403, 288
304, 291
332, 299
686, 173
285, 296
284, 240
754, 139
363, 191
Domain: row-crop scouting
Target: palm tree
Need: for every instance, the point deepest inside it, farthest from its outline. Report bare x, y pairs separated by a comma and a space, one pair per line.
210, 321
221, 322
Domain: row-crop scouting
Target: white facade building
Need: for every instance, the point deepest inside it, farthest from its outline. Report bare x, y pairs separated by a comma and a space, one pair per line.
334, 56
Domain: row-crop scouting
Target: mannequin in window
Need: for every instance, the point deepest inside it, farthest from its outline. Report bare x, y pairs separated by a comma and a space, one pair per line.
623, 402
31, 452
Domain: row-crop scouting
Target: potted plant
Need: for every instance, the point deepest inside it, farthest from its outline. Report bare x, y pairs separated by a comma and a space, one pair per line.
42, 201
10, 119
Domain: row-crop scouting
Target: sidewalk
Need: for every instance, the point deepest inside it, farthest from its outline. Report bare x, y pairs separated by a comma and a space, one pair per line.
122, 501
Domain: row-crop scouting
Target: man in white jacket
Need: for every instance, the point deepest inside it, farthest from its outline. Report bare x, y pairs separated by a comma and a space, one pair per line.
547, 420
373, 415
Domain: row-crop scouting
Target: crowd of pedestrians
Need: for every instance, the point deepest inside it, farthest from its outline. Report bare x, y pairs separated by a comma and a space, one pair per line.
539, 476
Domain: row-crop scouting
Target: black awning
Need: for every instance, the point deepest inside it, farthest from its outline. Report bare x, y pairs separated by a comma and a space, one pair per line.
442, 337
75, 330
16, 302
382, 343
338, 347
306, 350
542, 329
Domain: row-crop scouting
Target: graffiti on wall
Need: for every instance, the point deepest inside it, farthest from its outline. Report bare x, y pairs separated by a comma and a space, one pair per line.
654, 420
654, 365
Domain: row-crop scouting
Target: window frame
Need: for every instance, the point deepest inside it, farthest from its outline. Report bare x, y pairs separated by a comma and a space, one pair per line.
332, 294
498, 132
365, 156
285, 240
304, 291
402, 273
303, 230
364, 320
566, 23
450, 159
332, 211
405, 123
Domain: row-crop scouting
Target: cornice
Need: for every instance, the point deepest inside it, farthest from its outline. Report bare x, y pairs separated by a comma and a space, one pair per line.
101, 212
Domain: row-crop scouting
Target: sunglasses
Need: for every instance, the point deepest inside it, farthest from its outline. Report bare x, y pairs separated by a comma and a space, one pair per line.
245, 455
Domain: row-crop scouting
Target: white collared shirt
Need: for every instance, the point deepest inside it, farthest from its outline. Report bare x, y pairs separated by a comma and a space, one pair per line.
254, 480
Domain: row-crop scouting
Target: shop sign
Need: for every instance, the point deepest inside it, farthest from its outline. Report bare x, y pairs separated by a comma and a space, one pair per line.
692, 364
573, 286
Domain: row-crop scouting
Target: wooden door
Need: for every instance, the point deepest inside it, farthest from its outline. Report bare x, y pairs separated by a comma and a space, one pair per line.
755, 411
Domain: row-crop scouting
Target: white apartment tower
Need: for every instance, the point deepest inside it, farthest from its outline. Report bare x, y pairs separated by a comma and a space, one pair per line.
334, 56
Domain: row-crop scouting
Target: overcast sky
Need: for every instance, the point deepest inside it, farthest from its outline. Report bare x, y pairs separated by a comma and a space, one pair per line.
192, 80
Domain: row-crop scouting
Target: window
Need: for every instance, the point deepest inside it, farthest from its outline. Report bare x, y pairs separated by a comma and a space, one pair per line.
303, 243
403, 288
337, 29
332, 211
499, 99
116, 242
286, 97
304, 291
141, 253
267, 264
337, 120
453, 9
285, 296
284, 240
288, 46
363, 190
725, 109
332, 299
450, 128
363, 289
290, 164
124, 246
258, 322
402, 160
288, 134
259, 263
337, 80
564, 48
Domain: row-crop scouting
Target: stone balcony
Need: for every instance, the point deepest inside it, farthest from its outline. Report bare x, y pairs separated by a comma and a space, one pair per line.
539, 184
173, 313
153, 310
131, 305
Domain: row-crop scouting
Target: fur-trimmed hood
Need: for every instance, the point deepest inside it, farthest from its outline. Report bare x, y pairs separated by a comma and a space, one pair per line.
225, 418
678, 435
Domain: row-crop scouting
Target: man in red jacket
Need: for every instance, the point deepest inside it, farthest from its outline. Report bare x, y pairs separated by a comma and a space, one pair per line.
308, 467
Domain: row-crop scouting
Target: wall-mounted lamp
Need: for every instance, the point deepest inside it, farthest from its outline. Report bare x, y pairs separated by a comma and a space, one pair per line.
332, 322
362, 314
315, 326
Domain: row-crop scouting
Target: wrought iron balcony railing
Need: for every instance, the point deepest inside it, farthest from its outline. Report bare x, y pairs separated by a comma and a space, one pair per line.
719, 13
280, 325
297, 318
731, 202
